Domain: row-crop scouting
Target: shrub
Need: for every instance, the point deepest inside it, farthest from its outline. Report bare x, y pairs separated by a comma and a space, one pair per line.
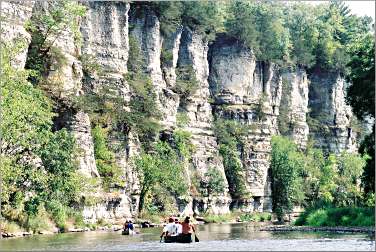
9, 227
182, 119
186, 82
345, 216
105, 159
58, 213
39, 221
317, 218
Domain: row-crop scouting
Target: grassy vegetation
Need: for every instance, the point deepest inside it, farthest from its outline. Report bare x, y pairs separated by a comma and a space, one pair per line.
244, 217
344, 216
213, 218
256, 217
10, 227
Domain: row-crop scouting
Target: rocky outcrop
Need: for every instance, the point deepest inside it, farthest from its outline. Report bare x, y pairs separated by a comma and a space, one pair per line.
105, 38
186, 48
14, 15
146, 31
193, 52
330, 116
293, 109
248, 91
81, 128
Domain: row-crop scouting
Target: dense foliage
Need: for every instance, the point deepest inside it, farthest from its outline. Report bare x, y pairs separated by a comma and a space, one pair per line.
230, 135
105, 159
361, 97
285, 164
164, 168
334, 217
37, 165
204, 17
310, 179
288, 34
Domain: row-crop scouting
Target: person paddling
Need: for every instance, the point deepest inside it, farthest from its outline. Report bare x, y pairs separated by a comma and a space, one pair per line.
188, 228
169, 229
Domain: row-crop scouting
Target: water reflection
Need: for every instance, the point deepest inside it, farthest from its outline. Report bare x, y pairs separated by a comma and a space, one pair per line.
212, 237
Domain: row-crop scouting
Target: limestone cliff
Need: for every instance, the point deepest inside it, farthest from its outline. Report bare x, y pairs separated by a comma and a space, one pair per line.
330, 116
232, 84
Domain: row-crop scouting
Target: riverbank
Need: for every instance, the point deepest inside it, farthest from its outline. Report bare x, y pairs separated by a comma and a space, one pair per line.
288, 228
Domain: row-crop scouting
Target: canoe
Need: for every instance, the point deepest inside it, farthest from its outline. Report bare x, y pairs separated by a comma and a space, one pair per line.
178, 239
127, 232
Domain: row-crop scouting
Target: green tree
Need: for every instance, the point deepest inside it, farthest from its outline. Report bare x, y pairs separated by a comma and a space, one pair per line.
215, 183
45, 27
34, 159
361, 92
105, 159
300, 21
361, 97
230, 137
161, 168
260, 26
204, 17
350, 169
286, 163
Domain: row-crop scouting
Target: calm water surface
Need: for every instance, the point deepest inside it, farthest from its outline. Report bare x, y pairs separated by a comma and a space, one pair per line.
214, 237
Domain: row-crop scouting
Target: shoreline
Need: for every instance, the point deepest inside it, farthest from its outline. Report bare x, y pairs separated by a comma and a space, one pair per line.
263, 227
338, 229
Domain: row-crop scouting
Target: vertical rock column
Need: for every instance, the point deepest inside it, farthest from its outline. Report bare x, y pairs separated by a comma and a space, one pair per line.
193, 51
249, 92
105, 38
330, 125
294, 106
146, 31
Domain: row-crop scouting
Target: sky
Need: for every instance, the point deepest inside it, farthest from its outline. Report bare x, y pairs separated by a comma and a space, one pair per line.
359, 8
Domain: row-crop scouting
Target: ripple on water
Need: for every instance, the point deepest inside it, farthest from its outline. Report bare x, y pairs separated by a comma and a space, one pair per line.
254, 245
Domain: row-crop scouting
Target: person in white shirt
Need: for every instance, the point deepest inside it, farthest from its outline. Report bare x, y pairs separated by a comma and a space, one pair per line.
178, 227
170, 229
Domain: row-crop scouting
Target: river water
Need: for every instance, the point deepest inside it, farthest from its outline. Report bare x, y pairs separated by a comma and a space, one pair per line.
213, 237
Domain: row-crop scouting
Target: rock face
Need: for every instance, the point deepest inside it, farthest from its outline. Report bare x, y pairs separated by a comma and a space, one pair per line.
331, 116
105, 38
293, 109
15, 14
193, 52
232, 84
248, 91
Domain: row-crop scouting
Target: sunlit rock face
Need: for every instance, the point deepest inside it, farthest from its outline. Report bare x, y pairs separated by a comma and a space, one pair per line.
243, 88
194, 51
294, 106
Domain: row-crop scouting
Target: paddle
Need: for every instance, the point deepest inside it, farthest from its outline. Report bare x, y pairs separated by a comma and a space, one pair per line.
196, 238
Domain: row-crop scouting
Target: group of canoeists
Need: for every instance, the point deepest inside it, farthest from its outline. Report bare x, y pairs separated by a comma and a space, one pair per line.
173, 231
176, 231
